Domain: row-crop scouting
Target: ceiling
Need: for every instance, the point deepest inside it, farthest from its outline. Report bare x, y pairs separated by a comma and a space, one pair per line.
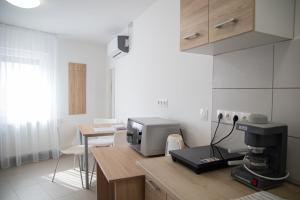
90, 20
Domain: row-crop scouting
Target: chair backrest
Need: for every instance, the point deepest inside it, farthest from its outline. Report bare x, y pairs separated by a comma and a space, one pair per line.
106, 121
68, 134
120, 138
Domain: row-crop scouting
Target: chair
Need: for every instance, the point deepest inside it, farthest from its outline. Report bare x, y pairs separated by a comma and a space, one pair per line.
72, 148
119, 140
106, 121
103, 141
77, 151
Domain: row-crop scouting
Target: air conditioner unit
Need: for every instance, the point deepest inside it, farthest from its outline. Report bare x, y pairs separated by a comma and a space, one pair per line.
118, 46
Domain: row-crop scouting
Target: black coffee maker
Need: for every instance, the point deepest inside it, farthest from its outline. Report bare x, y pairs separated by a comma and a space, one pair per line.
264, 165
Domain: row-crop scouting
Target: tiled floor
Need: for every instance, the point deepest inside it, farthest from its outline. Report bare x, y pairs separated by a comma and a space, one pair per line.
33, 182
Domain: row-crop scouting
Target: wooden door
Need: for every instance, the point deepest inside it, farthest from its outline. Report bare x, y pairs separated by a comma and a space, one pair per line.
193, 23
77, 88
228, 18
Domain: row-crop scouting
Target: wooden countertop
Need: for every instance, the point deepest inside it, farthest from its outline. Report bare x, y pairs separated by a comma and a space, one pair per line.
184, 184
118, 163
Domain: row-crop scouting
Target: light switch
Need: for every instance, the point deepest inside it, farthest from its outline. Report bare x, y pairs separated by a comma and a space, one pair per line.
204, 114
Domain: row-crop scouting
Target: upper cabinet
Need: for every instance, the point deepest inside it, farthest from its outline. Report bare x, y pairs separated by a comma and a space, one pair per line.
228, 18
219, 26
194, 23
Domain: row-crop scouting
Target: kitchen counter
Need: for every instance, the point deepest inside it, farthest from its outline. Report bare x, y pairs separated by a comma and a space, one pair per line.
180, 183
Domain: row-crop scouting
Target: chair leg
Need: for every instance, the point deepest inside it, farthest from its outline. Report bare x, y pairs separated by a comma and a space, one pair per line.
74, 162
93, 172
55, 169
79, 164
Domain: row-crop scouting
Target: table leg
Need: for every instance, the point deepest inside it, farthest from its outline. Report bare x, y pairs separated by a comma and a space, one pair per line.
86, 155
81, 157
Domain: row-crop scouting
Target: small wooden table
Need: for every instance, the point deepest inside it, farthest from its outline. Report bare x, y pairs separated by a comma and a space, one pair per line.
86, 131
118, 176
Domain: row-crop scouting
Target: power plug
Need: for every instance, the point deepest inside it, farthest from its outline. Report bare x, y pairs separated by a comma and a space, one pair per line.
220, 116
235, 119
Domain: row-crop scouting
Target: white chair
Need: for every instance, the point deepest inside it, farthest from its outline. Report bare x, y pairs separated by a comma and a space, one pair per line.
73, 148
103, 141
77, 151
106, 121
119, 140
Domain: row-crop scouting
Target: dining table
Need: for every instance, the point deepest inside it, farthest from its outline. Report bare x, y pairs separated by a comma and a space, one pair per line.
94, 130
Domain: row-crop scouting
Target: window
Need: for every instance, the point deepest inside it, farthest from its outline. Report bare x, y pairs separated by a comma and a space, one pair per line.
26, 97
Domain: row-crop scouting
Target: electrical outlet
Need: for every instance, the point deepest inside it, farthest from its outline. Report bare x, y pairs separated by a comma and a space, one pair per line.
220, 111
243, 116
165, 102
228, 116
162, 102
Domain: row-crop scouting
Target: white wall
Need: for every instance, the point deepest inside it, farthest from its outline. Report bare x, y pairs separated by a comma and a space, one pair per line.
297, 20
155, 68
262, 80
94, 56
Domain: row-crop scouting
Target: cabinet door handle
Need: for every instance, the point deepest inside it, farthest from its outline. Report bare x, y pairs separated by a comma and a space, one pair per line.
152, 185
232, 20
192, 36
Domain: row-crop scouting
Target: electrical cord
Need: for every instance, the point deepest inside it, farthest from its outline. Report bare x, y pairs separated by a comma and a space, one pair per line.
220, 116
266, 177
235, 119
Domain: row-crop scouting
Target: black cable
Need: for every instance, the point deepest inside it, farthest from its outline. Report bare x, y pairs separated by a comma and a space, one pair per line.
231, 131
235, 119
219, 152
220, 116
183, 139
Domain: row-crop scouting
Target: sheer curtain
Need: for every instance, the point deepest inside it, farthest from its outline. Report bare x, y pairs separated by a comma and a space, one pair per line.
27, 96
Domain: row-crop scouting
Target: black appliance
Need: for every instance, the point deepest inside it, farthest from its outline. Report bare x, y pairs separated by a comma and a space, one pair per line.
264, 165
204, 158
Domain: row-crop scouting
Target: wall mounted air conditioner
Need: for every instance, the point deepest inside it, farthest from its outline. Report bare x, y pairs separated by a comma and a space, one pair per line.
119, 46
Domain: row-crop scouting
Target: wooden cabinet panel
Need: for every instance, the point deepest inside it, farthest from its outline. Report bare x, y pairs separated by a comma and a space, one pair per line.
153, 192
77, 88
193, 23
170, 198
228, 18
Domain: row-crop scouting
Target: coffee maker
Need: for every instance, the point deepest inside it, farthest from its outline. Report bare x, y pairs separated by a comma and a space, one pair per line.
264, 164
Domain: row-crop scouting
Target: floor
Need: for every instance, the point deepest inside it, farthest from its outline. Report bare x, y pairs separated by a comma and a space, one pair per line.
33, 182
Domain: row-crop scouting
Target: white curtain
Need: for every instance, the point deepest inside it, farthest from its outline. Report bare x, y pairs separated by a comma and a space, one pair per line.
27, 96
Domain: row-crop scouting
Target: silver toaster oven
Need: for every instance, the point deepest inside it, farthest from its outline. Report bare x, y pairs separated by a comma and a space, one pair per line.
148, 136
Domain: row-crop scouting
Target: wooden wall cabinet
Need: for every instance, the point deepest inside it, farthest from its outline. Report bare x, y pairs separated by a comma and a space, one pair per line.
194, 23
228, 18
234, 24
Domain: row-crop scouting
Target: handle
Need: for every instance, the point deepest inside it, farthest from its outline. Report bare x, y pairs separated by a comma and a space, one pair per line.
232, 20
235, 162
152, 185
239, 150
192, 36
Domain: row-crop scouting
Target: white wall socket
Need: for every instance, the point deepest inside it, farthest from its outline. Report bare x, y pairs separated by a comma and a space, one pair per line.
228, 116
163, 102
